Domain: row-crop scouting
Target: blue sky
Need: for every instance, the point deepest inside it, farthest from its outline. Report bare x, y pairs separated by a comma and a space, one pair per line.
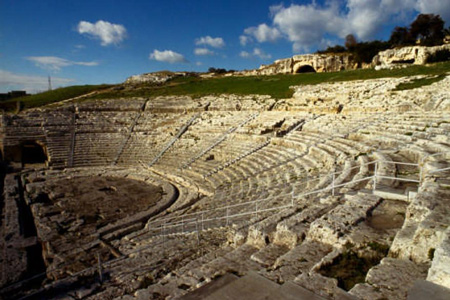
98, 41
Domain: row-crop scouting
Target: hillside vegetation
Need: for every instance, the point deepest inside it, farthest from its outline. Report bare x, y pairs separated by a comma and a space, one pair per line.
48, 97
277, 86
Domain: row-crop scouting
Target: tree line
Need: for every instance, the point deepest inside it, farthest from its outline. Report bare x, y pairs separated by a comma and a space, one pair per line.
425, 30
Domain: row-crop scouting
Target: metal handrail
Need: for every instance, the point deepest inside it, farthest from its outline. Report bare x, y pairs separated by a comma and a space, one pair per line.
374, 177
227, 217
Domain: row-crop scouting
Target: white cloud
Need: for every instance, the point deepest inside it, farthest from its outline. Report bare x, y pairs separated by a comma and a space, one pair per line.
245, 54
437, 7
31, 83
261, 54
54, 63
262, 33
366, 17
244, 40
106, 32
257, 53
167, 56
305, 25
309, 25
217, 42
203, 51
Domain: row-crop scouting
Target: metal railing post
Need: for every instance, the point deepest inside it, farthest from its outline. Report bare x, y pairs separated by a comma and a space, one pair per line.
99, 266
375, 176
332, 184
198, 233
203, 227
182, 224
164, 238
421, 163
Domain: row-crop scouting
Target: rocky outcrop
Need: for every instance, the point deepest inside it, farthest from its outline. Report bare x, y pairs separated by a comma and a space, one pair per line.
439, 272
307, 63
416, 55
369, 95
156, 77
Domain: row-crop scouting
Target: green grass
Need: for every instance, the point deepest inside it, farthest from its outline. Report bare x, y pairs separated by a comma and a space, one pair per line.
50, 97
419, 83
276, 86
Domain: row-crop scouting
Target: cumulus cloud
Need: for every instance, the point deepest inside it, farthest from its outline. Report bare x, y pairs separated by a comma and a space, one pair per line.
305, 25
106, 32
245, 54
167, 56
262, 33
437, 7
30, 83
244, 40
217, 42
54, 63
203, 51
313, 24
257, 53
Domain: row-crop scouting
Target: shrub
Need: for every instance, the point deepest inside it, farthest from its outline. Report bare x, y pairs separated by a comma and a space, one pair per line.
439, 56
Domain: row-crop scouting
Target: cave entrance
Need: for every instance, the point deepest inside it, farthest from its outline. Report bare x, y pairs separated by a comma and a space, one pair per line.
33, 153
306, 69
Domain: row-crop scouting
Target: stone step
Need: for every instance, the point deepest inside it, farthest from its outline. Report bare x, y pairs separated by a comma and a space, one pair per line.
423, 289
250, 286
299, 259
292, 291
269, 254
208, 289
392, 194
391, 279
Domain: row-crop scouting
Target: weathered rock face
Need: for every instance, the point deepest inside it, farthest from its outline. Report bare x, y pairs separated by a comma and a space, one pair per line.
157, 77
369, 95
323, 63
254, 154
307, 63
406, 55
439, 272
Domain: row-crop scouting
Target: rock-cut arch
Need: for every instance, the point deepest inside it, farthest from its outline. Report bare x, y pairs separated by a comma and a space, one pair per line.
305, 68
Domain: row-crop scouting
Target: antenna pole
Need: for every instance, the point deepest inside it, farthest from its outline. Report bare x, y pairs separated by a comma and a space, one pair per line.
49, 83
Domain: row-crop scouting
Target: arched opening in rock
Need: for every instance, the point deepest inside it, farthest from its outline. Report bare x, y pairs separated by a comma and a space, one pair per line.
306, 69
33, 153
405, 61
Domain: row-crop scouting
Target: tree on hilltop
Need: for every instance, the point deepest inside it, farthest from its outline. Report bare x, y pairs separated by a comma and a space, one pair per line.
401, 36
429, 29
350, 42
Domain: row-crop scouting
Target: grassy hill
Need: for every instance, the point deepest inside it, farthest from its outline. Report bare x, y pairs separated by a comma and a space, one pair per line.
276, 86
50, 97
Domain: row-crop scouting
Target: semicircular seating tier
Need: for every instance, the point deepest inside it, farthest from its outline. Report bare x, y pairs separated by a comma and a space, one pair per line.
291, 190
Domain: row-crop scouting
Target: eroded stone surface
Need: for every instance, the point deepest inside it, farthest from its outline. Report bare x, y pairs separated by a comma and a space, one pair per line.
259, 155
